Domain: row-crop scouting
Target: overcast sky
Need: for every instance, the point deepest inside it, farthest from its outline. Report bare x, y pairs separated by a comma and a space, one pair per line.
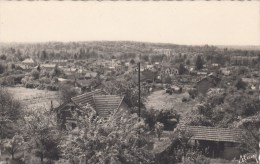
218, 23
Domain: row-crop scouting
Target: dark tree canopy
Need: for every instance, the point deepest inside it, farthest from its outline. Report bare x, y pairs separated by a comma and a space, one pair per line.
199, 63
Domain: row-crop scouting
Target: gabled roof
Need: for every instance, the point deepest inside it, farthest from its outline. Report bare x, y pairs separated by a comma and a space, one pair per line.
211, 78
87, 98
214, 133
106, 104
102, 103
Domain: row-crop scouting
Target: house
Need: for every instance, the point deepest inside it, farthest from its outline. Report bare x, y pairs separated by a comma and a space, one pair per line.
160, 51
219, 142
103, 105
62, 80
141, 69
127, 64
119, 68
171, 71
250, 80
48, 67
206, 83
60, 62
225, 71
202, 73
149, 66
215, 65
90, 75
111, 68
28, 63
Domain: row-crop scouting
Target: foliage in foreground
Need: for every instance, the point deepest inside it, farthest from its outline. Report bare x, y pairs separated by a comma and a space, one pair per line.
115, 140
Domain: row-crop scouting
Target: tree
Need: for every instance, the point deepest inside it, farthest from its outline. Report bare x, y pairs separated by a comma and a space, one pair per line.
66, 92
35, 74
3, 57
43, 55
10, 115
145, 57
199, 63
128, 89
41, 131
115, 140
132, 61
250, 137
168, 80
14, 145
187, 62
182, 69
181, 149
56, 72
240, 84
2, 68
168, 117
184, 138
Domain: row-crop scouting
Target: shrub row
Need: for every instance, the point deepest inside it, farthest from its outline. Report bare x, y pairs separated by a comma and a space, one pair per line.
42, 86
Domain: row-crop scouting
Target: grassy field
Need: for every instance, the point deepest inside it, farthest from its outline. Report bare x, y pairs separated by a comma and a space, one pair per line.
162, 100
32, 98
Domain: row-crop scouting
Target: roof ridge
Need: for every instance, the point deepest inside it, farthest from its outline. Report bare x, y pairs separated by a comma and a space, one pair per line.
87, 93
106, 96
119, 104
209, 127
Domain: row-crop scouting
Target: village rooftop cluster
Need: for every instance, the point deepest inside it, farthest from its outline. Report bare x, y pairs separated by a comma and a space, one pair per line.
198, 103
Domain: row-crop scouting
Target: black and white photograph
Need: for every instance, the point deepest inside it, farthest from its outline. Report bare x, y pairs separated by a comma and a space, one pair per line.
129, 82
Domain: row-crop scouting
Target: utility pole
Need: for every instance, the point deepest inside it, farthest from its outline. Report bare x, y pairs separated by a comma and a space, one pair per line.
139, 92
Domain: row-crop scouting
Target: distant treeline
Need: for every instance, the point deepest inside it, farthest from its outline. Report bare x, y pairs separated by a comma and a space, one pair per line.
107, 49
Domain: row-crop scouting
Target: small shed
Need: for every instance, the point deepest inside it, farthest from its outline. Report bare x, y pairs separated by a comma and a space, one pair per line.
206, 83
217, 142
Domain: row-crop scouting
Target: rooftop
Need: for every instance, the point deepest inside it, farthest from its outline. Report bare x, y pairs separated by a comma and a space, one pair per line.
103, 104
214, 133
28, 60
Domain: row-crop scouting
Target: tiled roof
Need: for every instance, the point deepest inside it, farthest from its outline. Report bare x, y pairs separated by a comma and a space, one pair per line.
214, 134
106, 104
102, 103
87, 98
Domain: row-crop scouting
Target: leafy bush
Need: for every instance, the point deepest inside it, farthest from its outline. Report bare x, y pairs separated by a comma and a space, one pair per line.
52, 87
35, 74
25, 80
18, 78
45, 80
67, 92
193, 93
168, 117
240, 84
31, 85
2, 68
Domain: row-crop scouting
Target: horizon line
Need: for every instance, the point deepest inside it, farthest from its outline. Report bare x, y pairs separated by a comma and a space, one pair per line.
151, 42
